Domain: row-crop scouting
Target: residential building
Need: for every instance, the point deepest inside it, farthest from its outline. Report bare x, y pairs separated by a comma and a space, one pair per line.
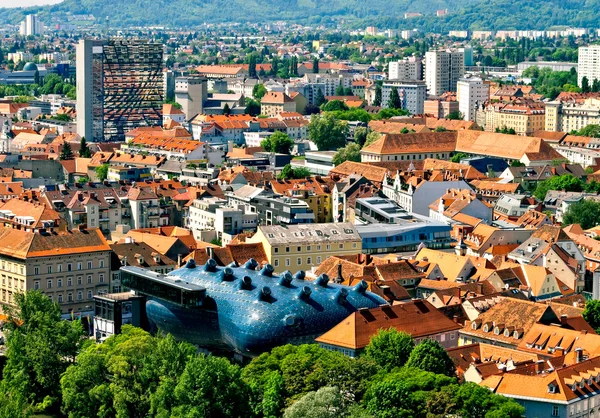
410, 68
299, 247
441, 107
588, 64
213, 214
191, 93
412, 94
31, 26
455, 204
70, 267
418, 318
470, 93
315, 191
443, 69
523, 116
415, 146
567, 116
273, 103
112, 75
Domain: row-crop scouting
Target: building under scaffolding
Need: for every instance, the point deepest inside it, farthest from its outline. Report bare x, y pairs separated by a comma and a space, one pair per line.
119, 87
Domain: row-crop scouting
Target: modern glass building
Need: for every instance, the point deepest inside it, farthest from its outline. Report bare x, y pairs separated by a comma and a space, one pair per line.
243, 309
119, 87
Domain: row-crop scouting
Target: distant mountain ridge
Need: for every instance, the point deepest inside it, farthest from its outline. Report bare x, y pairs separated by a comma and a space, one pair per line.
463, 14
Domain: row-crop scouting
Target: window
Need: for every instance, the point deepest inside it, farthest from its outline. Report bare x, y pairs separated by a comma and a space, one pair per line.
276, 262
89, 265
318, 248
89, 279
299, 261
287, 249
341, 246
59, 283
353, 245
49, 269
329, 246
49, 284
276, 249
60, 299
101, 278
78, 266
79, 280
89, 295
80, 295
70, 281
101, 263
69, 297
554, 410
308, 248
308, 260
60, 268
69, 267
36, 285
287, 261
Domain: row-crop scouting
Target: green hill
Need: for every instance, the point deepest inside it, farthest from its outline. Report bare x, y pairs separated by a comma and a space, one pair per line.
465, 14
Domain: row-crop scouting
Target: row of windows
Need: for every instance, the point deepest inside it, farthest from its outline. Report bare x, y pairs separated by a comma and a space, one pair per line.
59, 282
287, 261
59, 267
310, 248
60, 298
8, 281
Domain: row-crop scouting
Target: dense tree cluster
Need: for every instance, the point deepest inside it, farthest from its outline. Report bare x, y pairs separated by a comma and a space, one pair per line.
53, 369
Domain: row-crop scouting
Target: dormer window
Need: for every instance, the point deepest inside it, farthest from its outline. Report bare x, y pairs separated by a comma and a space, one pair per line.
474, 325
551, 388
486, 328
497, 331
581, 384
507, 332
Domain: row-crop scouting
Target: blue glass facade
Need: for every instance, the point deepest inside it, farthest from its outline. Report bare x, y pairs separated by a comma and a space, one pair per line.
246, 310
391, 238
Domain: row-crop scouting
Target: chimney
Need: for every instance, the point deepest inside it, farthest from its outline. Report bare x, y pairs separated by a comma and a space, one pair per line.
563, 320
339, 278
455, 319
579, 355
539, 366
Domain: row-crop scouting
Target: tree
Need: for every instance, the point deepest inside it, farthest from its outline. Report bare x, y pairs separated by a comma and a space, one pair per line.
585, 85
102, 172
63, 117
334, 105
360, 135
585, 213
430, 356
226, 109
517, 163
378, 96
319, 98
596, 85
327, 402
66, 152
252, 66
457, 115
84, 150
327, 132
505, 130
40, 347
311, 109
252, 107
590, 130
566, 182
350, 152
278, 142
258, 91
315, 66
394, 102
390, 348
440, 129
36, 77
273, 400
287, 173
339, 91
473, 401
591, 313
456, 158
348, 91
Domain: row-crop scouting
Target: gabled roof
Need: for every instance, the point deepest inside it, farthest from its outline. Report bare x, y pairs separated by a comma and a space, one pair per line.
433, 142
418, 318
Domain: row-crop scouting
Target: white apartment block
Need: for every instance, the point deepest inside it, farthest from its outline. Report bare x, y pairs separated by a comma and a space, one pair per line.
407, 69
589, 63
443, 69
471, 92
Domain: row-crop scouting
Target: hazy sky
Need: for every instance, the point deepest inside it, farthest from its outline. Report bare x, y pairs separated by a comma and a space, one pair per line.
25, 3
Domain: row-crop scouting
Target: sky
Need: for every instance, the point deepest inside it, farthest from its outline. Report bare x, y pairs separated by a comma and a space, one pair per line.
26, 3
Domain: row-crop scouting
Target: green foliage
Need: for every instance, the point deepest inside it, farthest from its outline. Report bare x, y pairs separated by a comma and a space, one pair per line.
457, 115
40, 347
84, 150
378, 96
252, 107
517, 163
505, 130
456, 158
354, 114
334, 105
216, 241
327, 132
288, 173
350, 152
394, 102
430, 356
63, 117
585, 213
590, 130
591, 313
226, 109
566, 182
327, 402
320, 98
360, 135
306, 368
440, 129
258, 91
551, 83
174, 104
278, 142
390, 348
66, 152
102, 172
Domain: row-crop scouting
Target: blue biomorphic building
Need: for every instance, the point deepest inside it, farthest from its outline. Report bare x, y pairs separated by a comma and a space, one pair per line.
243, 309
